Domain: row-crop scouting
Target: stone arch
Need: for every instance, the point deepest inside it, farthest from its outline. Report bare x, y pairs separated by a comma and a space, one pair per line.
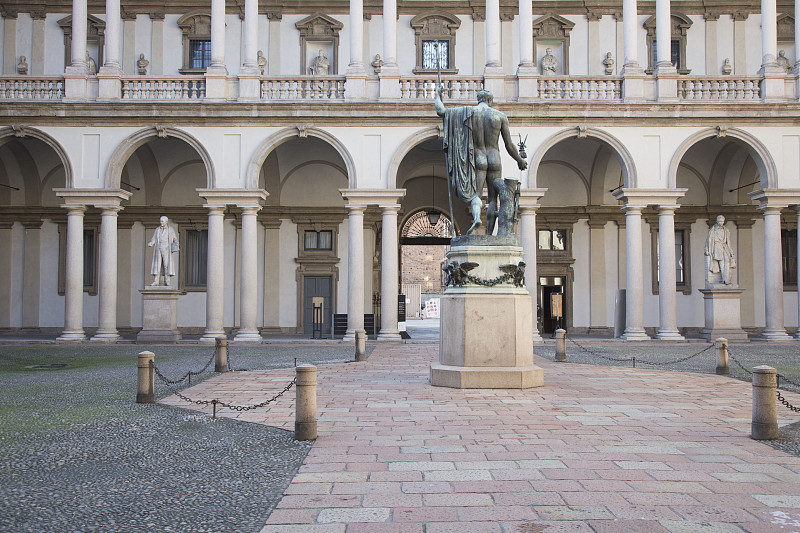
763, 159
280, 137
6, 134
625, 157
127, 147
405, 147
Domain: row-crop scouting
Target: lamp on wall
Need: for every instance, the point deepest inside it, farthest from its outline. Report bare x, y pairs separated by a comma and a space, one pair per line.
433, 214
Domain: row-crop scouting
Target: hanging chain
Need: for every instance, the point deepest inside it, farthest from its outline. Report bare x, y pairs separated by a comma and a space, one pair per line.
188, 374
635, 360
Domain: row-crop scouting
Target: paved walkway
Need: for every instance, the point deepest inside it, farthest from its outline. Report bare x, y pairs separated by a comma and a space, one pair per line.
601, 449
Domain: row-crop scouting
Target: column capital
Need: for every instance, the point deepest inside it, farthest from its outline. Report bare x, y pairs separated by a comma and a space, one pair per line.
645, 197
389, 209
237, 197
355, 209
74, 209
530, 197
109, 210
779, 198
667, 209
95, 197
249, 209
372, 196
215, 210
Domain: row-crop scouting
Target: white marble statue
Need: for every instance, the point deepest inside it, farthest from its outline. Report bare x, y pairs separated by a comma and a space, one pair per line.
166, 241
719, 254
783, 62
22, 66
141, 65
549, 63
726, 67
91, 66
320, 66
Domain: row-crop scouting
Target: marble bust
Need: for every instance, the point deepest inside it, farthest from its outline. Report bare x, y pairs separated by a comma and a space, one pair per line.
165, 241
719, 254
141, 65
261, 61
22, 66
608, 62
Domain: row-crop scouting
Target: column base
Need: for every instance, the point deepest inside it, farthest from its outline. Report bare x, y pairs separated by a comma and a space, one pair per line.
635, 335
247, 336
106, 336
537, 338
778, 335
390, 335
210, 337
670, 335
72, 336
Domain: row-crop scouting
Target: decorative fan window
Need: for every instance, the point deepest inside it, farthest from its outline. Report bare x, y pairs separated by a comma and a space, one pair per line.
435, 37
419, 226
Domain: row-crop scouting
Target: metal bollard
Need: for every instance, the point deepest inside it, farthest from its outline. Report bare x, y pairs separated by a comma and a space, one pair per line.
722, 356
221, 354
146, 379
561, 345
305, 422
361, 345
765, 404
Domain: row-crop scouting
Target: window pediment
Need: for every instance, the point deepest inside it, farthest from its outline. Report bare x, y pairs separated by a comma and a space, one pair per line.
785, 28
196, 24
435, 23
552, 26
679, 24
319, 25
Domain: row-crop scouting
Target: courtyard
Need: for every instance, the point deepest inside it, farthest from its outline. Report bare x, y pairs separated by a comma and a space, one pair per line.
601, 447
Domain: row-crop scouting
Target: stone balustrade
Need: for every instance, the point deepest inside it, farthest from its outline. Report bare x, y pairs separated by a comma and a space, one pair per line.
303, 88
580, 88
424, 87
31, 88
719, 88
164, 88
703, 89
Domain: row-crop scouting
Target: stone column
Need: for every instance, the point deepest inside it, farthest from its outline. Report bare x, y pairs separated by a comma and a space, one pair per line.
663, 34
493, 57
668, 320
630, 27
73, 290
249, 73
6, 273
389, 272
598, 281
390, 34
527, 70
355, 269
215, 276
248, 296
31, 274
773, 274
218, 34
528, 241
112, 35
634, 279
769, 33
797, 209
272, 271
78, 50
796, 68
356, 36
107, 281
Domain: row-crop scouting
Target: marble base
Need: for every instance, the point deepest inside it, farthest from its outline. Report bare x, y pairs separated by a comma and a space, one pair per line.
723, 313
486, 333
159, 315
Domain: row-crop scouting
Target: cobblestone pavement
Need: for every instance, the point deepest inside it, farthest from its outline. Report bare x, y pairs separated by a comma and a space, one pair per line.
598, 448
79, 455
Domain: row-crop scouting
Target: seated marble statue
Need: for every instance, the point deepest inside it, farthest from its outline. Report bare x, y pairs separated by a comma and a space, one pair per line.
549, 63
320, 66
783, 62
91, 66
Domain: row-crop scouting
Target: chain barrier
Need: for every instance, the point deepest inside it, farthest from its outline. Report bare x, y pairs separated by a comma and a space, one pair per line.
189, 374
786, 403
634, 360
740, 365
216, 402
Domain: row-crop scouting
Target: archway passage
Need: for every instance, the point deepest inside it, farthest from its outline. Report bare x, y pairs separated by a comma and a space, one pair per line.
424, 242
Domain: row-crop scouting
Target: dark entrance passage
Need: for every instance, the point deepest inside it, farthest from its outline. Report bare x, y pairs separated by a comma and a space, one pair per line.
548, 287
317, 286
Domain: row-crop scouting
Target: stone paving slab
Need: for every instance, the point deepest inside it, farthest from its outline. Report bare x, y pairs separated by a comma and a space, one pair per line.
595, 449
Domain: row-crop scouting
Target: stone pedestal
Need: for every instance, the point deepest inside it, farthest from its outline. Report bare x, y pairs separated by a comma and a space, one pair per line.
722, 311
486, 331
160, 314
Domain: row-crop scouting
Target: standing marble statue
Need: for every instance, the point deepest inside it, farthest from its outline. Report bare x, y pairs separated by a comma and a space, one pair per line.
471, 136
166, 241
719, 254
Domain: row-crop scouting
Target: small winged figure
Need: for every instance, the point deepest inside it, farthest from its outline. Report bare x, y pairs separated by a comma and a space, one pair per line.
456, 274
517, 273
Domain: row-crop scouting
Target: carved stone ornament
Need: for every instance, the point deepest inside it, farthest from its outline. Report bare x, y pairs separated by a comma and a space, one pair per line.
19, 131
722, 131
161, 131
785, 26
581, 134
302, 131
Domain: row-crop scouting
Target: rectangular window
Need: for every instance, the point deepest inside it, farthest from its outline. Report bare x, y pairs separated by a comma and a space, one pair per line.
318, 240
553, 240
680, 260
675, 53
199, 53
789, 256
429, 53
196, 258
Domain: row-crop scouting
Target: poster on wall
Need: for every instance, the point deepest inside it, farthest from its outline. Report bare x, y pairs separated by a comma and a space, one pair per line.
432, 308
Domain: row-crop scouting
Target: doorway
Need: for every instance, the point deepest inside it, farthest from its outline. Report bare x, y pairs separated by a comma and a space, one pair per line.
317, 286
550, 287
